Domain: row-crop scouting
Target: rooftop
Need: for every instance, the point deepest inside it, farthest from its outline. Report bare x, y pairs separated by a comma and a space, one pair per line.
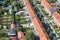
11, 32
12, 26
20, 35
55, 13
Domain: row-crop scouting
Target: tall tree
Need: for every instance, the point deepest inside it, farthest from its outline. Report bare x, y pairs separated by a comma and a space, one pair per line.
20, 5
29, 35
14, 3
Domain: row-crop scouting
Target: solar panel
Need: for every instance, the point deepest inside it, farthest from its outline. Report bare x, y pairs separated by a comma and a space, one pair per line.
52, 9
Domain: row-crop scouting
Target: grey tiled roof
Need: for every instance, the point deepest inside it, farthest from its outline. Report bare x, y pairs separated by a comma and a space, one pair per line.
52, 9
11, 32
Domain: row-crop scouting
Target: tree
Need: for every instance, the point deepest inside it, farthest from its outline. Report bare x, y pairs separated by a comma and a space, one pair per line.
36, 9
52, 1
3, 10
5, 3
2, 38
11, 0
51, 34
29, 35
3, 33
0, 11
12, 11
14, 3
32, 3
0, 3
54, 36
1, 16
20, 5
18, 29
38, 2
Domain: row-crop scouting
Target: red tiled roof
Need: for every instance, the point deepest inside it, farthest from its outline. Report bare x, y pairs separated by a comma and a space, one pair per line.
21, 35
12, 26
38, 26
55, 14
13, 38
46, 4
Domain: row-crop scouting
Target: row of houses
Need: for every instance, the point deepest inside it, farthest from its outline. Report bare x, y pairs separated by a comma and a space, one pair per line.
52, 12
37, 24
13, 35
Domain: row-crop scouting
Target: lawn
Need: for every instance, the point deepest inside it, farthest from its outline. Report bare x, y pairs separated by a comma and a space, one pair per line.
3, 38
22, 20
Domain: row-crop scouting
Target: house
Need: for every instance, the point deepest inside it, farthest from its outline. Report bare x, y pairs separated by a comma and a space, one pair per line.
11, 32
12, 26
52, 11
20, 35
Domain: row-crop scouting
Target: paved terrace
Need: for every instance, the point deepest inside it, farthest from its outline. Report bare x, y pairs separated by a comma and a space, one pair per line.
38, 25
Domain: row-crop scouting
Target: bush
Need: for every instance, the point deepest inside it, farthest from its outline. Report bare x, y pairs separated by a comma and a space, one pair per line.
18, 29
3, 34
29, 35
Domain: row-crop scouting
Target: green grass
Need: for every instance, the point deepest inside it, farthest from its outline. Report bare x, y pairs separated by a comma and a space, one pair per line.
22, 20
37, 1
28, 34
3, 38
58, 34
52, 1
54, 26
18, 29
3, 34
6, 22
